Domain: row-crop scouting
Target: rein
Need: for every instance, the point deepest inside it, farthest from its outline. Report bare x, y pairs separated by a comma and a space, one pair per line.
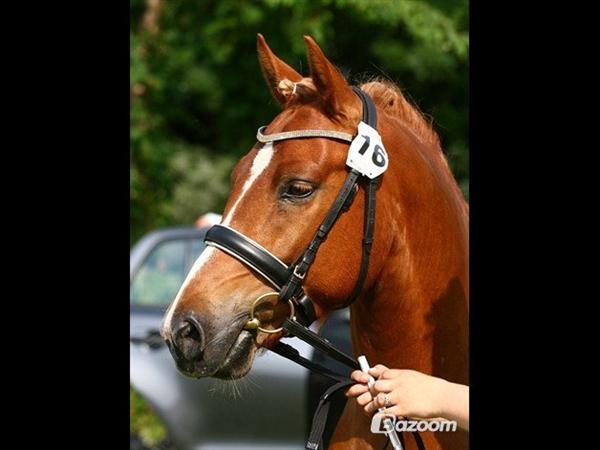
288, 280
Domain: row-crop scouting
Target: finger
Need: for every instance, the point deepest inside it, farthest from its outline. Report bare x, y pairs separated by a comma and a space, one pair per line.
364, 399
359, 377
395, 410
384, 386
391, 373
356, 390
371, 408
377, 370
379, 400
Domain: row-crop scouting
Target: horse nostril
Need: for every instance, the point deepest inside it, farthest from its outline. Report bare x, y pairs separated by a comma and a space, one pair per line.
189, 339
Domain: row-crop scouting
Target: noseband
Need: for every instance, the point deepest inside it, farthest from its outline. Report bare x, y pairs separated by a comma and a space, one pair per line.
367, 161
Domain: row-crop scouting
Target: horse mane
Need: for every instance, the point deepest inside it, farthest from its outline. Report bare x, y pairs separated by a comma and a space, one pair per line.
384, 93
390, 98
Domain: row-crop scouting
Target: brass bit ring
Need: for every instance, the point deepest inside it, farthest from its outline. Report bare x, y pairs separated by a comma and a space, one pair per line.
254, 323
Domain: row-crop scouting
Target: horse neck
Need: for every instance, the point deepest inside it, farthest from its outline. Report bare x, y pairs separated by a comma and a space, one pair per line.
415, 314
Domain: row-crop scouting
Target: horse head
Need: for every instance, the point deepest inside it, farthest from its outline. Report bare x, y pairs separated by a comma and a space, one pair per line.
280, 193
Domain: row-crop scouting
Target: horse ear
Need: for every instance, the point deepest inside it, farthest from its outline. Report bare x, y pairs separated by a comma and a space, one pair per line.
339, 99
274, 69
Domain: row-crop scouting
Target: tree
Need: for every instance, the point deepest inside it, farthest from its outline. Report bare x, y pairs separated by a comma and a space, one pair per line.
197, 95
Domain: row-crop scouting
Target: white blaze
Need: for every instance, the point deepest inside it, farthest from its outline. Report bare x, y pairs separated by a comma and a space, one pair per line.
259, 164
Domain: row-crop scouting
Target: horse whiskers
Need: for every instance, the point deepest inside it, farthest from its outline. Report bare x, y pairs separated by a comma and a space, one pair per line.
237, 393
235, 388
246, 384
230, 388
251, 383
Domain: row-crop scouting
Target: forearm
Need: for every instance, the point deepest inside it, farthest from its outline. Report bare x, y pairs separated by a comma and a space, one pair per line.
456, 404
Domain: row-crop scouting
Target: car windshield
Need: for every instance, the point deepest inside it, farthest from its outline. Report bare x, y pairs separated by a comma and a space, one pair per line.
161, 274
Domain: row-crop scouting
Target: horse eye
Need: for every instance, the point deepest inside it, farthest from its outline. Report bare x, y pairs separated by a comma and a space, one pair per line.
297, 190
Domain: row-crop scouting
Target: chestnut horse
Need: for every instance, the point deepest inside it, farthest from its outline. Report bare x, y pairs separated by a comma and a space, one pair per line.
413, 310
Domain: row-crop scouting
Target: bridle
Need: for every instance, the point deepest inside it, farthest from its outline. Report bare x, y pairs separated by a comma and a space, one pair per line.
367, 161
288, 280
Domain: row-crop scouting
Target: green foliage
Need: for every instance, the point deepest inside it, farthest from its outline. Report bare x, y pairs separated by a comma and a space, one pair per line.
143, 421
197, 94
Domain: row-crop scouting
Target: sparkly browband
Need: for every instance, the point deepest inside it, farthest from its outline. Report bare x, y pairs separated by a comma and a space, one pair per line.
264, 138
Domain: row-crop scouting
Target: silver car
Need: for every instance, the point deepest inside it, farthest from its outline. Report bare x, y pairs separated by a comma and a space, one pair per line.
269, 409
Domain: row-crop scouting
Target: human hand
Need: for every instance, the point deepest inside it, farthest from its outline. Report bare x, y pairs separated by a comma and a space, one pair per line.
410, 393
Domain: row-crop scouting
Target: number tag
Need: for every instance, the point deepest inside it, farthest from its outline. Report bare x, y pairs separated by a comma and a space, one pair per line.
366, 153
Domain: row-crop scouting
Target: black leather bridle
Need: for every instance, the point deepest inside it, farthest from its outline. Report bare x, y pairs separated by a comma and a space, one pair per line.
288, 280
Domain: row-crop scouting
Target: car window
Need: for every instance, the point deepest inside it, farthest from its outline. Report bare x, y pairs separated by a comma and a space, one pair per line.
157, 281
196, 248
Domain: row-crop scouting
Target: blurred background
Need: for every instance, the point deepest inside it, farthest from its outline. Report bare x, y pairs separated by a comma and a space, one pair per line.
197, 94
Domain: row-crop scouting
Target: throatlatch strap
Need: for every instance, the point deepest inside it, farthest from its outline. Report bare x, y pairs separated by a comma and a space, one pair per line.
367, 242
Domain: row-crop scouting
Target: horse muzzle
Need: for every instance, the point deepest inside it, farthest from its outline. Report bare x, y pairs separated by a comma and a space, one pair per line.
200, 351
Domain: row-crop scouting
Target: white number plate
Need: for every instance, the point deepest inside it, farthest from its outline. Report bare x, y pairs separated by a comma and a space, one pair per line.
367, 154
